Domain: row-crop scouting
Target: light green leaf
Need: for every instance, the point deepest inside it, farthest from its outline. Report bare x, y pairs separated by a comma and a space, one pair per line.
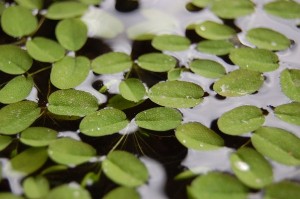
118, 102
238, 83
71, 33
120, 192
175, 73
4, 142
202, 3
268, 39
36, 187
289, 112
231, 9
215, 47
194, 135
171, 42
217, 185
290, 83
38, 136
31, 4
7, 195
277, 144
159, 119
240, 120
70, 152
167, 94
54, 169
104, 122
132, 89
279, 8
156, 62
16, 117
8, 62
91, 2
112, 62
125, 169
29, 160
251, 168
207, 68
282, 190
17, 21
66, 9
68, 191
72, 102
44, 50
74, 71
260, 60
16, 90
214, 31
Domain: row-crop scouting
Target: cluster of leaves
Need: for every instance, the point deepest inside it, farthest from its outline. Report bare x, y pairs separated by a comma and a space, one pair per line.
18, 115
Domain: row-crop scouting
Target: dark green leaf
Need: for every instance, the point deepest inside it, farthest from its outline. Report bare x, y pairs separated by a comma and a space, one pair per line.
120, 192
118, 102
289, 112
282, 190
68, 191
132, 89
7, 195
290, 86
4, 141
156, 62
31, 4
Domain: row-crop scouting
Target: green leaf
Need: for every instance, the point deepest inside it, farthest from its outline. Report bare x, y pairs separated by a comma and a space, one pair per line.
36, 187
72, 102
74, 71
112, 62
159, 119
171, 42
71, 33
70, 152
120, 192
104, 122
175, 73
240, 120
31, 4
6, 195
279, 8
16, 90
8, 62
214, 31
132, 89
54, 169
260, 60
66, 9
91, 2
194, 135
289, 112
45, 50
2, 7
217, 185
38, 136
251, 168
29, 160
4, 142
290, 86
118, 102
207, 68
17, 21
277, 144
231, 9
69, 191
215, 47
166, 94
238, 83
16, 117
282, 190
125, 169
268, 39
202, 3
156, 62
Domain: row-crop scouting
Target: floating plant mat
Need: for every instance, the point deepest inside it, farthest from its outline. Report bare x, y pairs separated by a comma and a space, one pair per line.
149, 99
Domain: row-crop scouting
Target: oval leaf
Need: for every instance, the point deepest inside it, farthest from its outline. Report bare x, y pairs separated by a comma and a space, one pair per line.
132, 89
72, 102
66, 9
44, 50
70, 152
8, 62
289, 81
282, 190
16, 117
194, 135
279, 8
156, 62
125, 169
260, 60
74, 71
36, 187
166, 94
214, 31
277, 144
215, 47
118, 102
120, 192
69, 191
251, 168
31, 4
38, 136
170, 42
289, 112
159, 119
207, 68
4, 142
202, 3
6, 195
238, 83
240, 120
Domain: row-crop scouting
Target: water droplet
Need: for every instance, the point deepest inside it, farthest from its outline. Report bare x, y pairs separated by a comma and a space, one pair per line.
243, 166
